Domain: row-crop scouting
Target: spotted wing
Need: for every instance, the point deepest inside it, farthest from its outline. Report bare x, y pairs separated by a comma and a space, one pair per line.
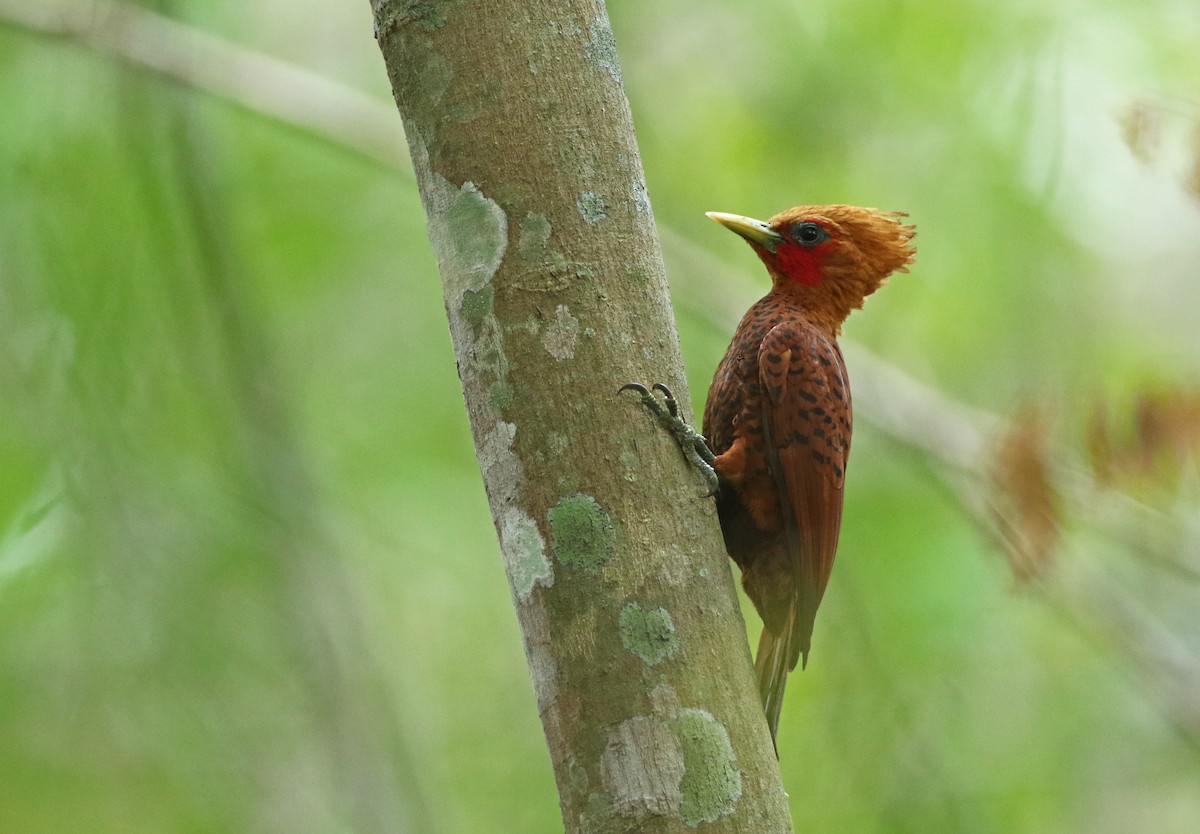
807, 426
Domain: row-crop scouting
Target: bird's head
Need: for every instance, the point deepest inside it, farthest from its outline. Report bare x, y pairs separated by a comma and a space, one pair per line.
830, 258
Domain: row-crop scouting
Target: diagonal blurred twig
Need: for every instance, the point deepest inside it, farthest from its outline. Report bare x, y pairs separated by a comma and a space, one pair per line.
197, 59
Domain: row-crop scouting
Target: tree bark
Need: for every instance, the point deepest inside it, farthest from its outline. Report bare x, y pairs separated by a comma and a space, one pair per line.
523, 146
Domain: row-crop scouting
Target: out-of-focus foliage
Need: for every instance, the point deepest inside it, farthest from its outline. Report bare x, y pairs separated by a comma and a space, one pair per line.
248, 580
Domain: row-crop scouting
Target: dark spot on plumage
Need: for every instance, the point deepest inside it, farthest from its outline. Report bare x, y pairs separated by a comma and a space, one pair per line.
837, 471
800, 438
818, 432
820, 412
828, 420
774, 358
825, 361
820, 458
807, 397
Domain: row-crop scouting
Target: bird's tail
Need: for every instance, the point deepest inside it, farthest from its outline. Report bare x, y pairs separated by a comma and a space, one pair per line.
777, 655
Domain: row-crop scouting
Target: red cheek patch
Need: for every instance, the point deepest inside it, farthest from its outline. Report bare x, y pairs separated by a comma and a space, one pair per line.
799, 263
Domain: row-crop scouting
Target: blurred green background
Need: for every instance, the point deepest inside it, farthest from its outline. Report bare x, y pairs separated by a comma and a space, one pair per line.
248, 577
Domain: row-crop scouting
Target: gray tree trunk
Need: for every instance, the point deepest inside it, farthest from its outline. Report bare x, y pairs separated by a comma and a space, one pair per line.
523, 147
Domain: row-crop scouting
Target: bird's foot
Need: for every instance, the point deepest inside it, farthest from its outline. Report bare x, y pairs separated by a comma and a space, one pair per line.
691, 442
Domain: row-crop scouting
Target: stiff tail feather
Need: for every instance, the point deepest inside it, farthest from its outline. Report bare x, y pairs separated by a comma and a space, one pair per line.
777, 655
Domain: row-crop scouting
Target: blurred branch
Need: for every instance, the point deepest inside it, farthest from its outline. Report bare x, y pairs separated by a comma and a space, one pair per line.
279, 90
1163, 661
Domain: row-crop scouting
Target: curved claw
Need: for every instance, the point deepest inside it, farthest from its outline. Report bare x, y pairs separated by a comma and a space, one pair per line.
668, 398
691, 443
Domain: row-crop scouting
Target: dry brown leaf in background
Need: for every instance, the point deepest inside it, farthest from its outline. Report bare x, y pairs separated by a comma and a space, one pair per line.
1025, 502
1156, 442
1141, 128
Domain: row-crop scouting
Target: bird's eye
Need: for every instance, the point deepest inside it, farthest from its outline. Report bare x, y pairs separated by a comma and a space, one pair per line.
809, 234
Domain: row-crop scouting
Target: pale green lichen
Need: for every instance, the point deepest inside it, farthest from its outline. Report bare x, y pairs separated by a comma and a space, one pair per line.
470, 236
591, 207
602, 47
582, 534
712, 783
524, 553
477, 305
648, 633
469, 233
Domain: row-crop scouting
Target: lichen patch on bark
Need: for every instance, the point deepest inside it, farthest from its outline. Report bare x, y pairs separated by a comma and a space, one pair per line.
712, 783
476, 306
524, 553
602, 47
469, 234
648, 633
591, 207
582, 534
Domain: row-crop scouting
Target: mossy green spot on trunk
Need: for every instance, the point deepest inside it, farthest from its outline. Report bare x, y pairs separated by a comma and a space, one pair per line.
712, 783
582, 533
648, 633
476, 306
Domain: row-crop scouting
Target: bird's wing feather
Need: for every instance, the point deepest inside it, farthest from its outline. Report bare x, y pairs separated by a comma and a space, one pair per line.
807, 427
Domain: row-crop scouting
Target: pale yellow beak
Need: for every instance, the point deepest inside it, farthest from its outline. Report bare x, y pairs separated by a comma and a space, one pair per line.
755, 231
